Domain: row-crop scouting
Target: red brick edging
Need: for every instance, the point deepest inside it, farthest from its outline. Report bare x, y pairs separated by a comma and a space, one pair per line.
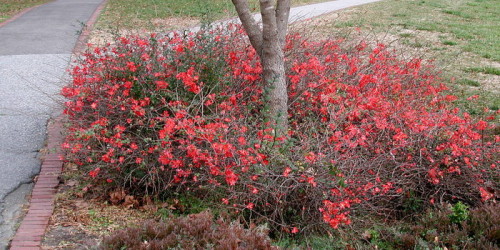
30, 233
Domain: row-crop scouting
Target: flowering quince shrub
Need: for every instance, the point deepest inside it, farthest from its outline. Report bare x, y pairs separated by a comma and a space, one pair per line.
368, 131
389, 127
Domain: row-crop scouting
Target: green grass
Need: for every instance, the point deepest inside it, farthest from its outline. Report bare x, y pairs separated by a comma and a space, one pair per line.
406, 35
134, 14
485, 70
469, 82
476, 23
9, 8
458, 13
449, 43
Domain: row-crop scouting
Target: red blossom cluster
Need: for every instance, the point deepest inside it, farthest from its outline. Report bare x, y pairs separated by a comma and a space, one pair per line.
182, 112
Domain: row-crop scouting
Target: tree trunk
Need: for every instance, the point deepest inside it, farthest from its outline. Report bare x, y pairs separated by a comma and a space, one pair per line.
273, 65
269, 42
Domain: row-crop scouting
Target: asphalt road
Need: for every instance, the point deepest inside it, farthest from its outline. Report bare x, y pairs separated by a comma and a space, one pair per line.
34, 55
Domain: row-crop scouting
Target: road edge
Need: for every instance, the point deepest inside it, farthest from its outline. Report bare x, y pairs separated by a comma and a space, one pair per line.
32, 229
80, 44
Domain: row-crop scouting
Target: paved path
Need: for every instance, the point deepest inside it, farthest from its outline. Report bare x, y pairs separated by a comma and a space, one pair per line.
304, 12
34, 54
313, 10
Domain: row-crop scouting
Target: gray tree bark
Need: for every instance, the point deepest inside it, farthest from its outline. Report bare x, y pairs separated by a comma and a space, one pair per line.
269, 41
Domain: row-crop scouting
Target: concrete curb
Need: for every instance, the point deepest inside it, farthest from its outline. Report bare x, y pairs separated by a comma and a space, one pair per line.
30, 233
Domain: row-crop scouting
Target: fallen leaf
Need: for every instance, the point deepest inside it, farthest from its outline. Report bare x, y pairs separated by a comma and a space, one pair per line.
130, 202
177, 205
71, 167
80, 204
72, 183
147, 200
117, 196
151, 208
367, 235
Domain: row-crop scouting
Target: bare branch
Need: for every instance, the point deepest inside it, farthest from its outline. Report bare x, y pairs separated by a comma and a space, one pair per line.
251, 27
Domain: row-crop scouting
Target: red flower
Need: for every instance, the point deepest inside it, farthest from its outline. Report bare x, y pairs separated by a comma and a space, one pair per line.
94, 173
250, 205
287, 171
131, 66
231, 177
165, 157
311, 157
434, 174
190, 80
161, 85
485, 194
481, 125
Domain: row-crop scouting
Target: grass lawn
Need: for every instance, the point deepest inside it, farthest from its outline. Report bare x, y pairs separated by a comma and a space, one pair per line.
9, 8
461, 37
471, 25
135, 14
